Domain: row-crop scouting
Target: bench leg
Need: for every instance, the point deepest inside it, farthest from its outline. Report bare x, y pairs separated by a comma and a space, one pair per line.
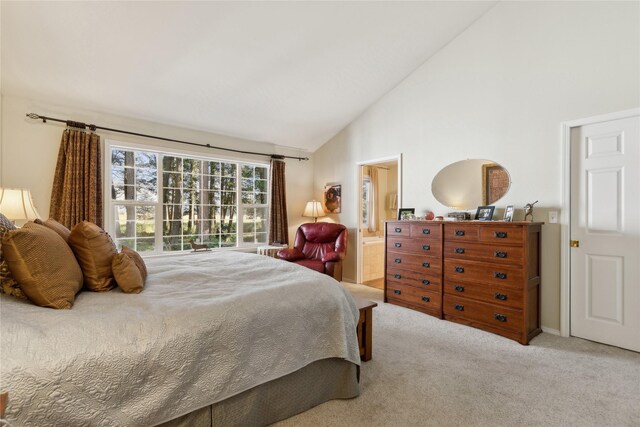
365, 334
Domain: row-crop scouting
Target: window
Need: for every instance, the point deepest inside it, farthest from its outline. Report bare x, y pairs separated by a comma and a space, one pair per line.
162, 202
366, 191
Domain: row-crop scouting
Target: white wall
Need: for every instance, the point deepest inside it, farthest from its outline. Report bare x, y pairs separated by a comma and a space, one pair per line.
499, 91
29, 150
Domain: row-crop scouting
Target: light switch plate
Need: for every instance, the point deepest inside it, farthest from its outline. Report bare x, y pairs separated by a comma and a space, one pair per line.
553, 217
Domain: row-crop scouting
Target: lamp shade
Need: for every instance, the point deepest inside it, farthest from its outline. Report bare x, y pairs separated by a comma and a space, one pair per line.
17, 205
313, 209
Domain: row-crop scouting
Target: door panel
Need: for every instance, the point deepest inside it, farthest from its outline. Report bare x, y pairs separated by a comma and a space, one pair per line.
605, 219
604, 194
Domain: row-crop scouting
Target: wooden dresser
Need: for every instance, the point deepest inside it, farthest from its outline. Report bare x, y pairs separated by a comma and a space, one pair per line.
481, 274
413, 265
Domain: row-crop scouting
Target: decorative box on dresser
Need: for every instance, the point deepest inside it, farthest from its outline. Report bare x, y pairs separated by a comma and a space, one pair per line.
413, 265
481, 274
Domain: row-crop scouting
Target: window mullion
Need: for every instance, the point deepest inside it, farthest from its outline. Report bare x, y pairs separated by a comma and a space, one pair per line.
239, 207
159, 204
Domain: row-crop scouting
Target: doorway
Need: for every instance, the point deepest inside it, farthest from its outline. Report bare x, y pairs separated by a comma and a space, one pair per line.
603, 260
380, 189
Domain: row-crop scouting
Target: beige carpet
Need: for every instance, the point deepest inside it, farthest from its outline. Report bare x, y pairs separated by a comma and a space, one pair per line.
429, 372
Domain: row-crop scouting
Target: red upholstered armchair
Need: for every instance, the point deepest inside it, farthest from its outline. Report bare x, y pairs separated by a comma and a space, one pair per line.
320, 246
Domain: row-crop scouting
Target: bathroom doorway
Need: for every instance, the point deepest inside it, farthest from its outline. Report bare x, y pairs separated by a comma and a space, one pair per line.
380, 195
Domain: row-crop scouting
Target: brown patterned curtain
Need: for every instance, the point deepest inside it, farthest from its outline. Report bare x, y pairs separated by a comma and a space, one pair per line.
77, 183
278, 223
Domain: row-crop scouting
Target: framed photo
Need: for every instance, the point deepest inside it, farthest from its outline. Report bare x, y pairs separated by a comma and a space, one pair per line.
405, 213
484, 213
332, 198
508, 213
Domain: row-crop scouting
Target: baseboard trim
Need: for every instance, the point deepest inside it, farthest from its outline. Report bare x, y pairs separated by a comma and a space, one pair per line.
348, 280
550, 331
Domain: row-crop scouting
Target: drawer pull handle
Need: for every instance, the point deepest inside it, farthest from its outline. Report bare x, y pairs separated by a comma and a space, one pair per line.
397, 292
398, 245
459, 250
500, 254
500, 317
426, 264
426, 299
426, 231
426, 282
459, 288
459, 269
397, 230
500, 275
397, 260
500, 234
459, 232
397, 276
501, 297
459, 307
426, 247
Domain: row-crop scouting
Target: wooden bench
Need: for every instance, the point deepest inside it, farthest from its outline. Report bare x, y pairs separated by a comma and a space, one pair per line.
365, 327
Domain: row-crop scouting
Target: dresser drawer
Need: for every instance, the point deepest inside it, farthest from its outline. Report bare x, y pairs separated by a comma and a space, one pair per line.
417, 297
426, 230
398, 228
501, 234
474, 271
490, 314
484, 252
419, 263
424, 246
464, 232
422, 280
499, 295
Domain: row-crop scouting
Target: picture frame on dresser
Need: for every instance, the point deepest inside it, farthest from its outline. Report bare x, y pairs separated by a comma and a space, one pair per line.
508, 213
484, 213
405, 213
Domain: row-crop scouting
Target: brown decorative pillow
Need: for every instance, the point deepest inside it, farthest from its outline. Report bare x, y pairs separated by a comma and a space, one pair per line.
127, 274
55, 226
135, 256
94, 249
43, 264
8, 285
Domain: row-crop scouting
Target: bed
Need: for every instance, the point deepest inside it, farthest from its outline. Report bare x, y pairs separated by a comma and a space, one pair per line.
214, 339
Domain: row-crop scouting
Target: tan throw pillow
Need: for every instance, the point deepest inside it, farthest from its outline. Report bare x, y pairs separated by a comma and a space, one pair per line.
127, 274
43, 264
55, 226
94, 250
135, 256
8, 285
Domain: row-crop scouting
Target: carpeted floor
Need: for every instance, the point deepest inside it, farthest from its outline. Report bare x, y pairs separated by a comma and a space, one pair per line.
429, 372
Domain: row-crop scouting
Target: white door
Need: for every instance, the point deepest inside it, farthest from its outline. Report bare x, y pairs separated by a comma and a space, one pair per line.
605, 220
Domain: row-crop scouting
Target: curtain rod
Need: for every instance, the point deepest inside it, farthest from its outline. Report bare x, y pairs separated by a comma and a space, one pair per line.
93, 127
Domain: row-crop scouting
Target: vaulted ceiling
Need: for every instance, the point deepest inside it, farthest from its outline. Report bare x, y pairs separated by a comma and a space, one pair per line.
289, 73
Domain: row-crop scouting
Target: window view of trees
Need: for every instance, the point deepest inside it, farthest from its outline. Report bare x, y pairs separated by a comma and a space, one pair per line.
366, 188
198, 200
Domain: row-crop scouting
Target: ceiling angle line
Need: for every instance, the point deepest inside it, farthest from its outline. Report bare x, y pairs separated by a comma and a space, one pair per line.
93, 127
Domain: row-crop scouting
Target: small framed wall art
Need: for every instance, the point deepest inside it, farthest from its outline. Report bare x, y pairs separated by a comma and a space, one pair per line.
484, 213
508, 213
332, 198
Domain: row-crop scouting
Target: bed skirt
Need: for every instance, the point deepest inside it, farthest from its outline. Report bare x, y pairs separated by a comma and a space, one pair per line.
281, 398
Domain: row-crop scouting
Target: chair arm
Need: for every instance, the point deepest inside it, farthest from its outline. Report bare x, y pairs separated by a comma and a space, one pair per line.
290, 254
333, 256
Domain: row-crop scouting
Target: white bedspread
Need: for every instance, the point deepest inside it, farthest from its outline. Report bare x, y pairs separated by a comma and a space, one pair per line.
206, 327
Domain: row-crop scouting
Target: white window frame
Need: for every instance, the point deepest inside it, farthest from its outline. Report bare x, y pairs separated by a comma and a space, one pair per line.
109, 204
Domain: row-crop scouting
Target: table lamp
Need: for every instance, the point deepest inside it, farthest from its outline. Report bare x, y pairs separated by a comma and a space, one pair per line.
313, 210
17, 205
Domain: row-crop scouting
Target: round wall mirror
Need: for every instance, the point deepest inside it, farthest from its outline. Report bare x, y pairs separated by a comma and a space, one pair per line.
470, 183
